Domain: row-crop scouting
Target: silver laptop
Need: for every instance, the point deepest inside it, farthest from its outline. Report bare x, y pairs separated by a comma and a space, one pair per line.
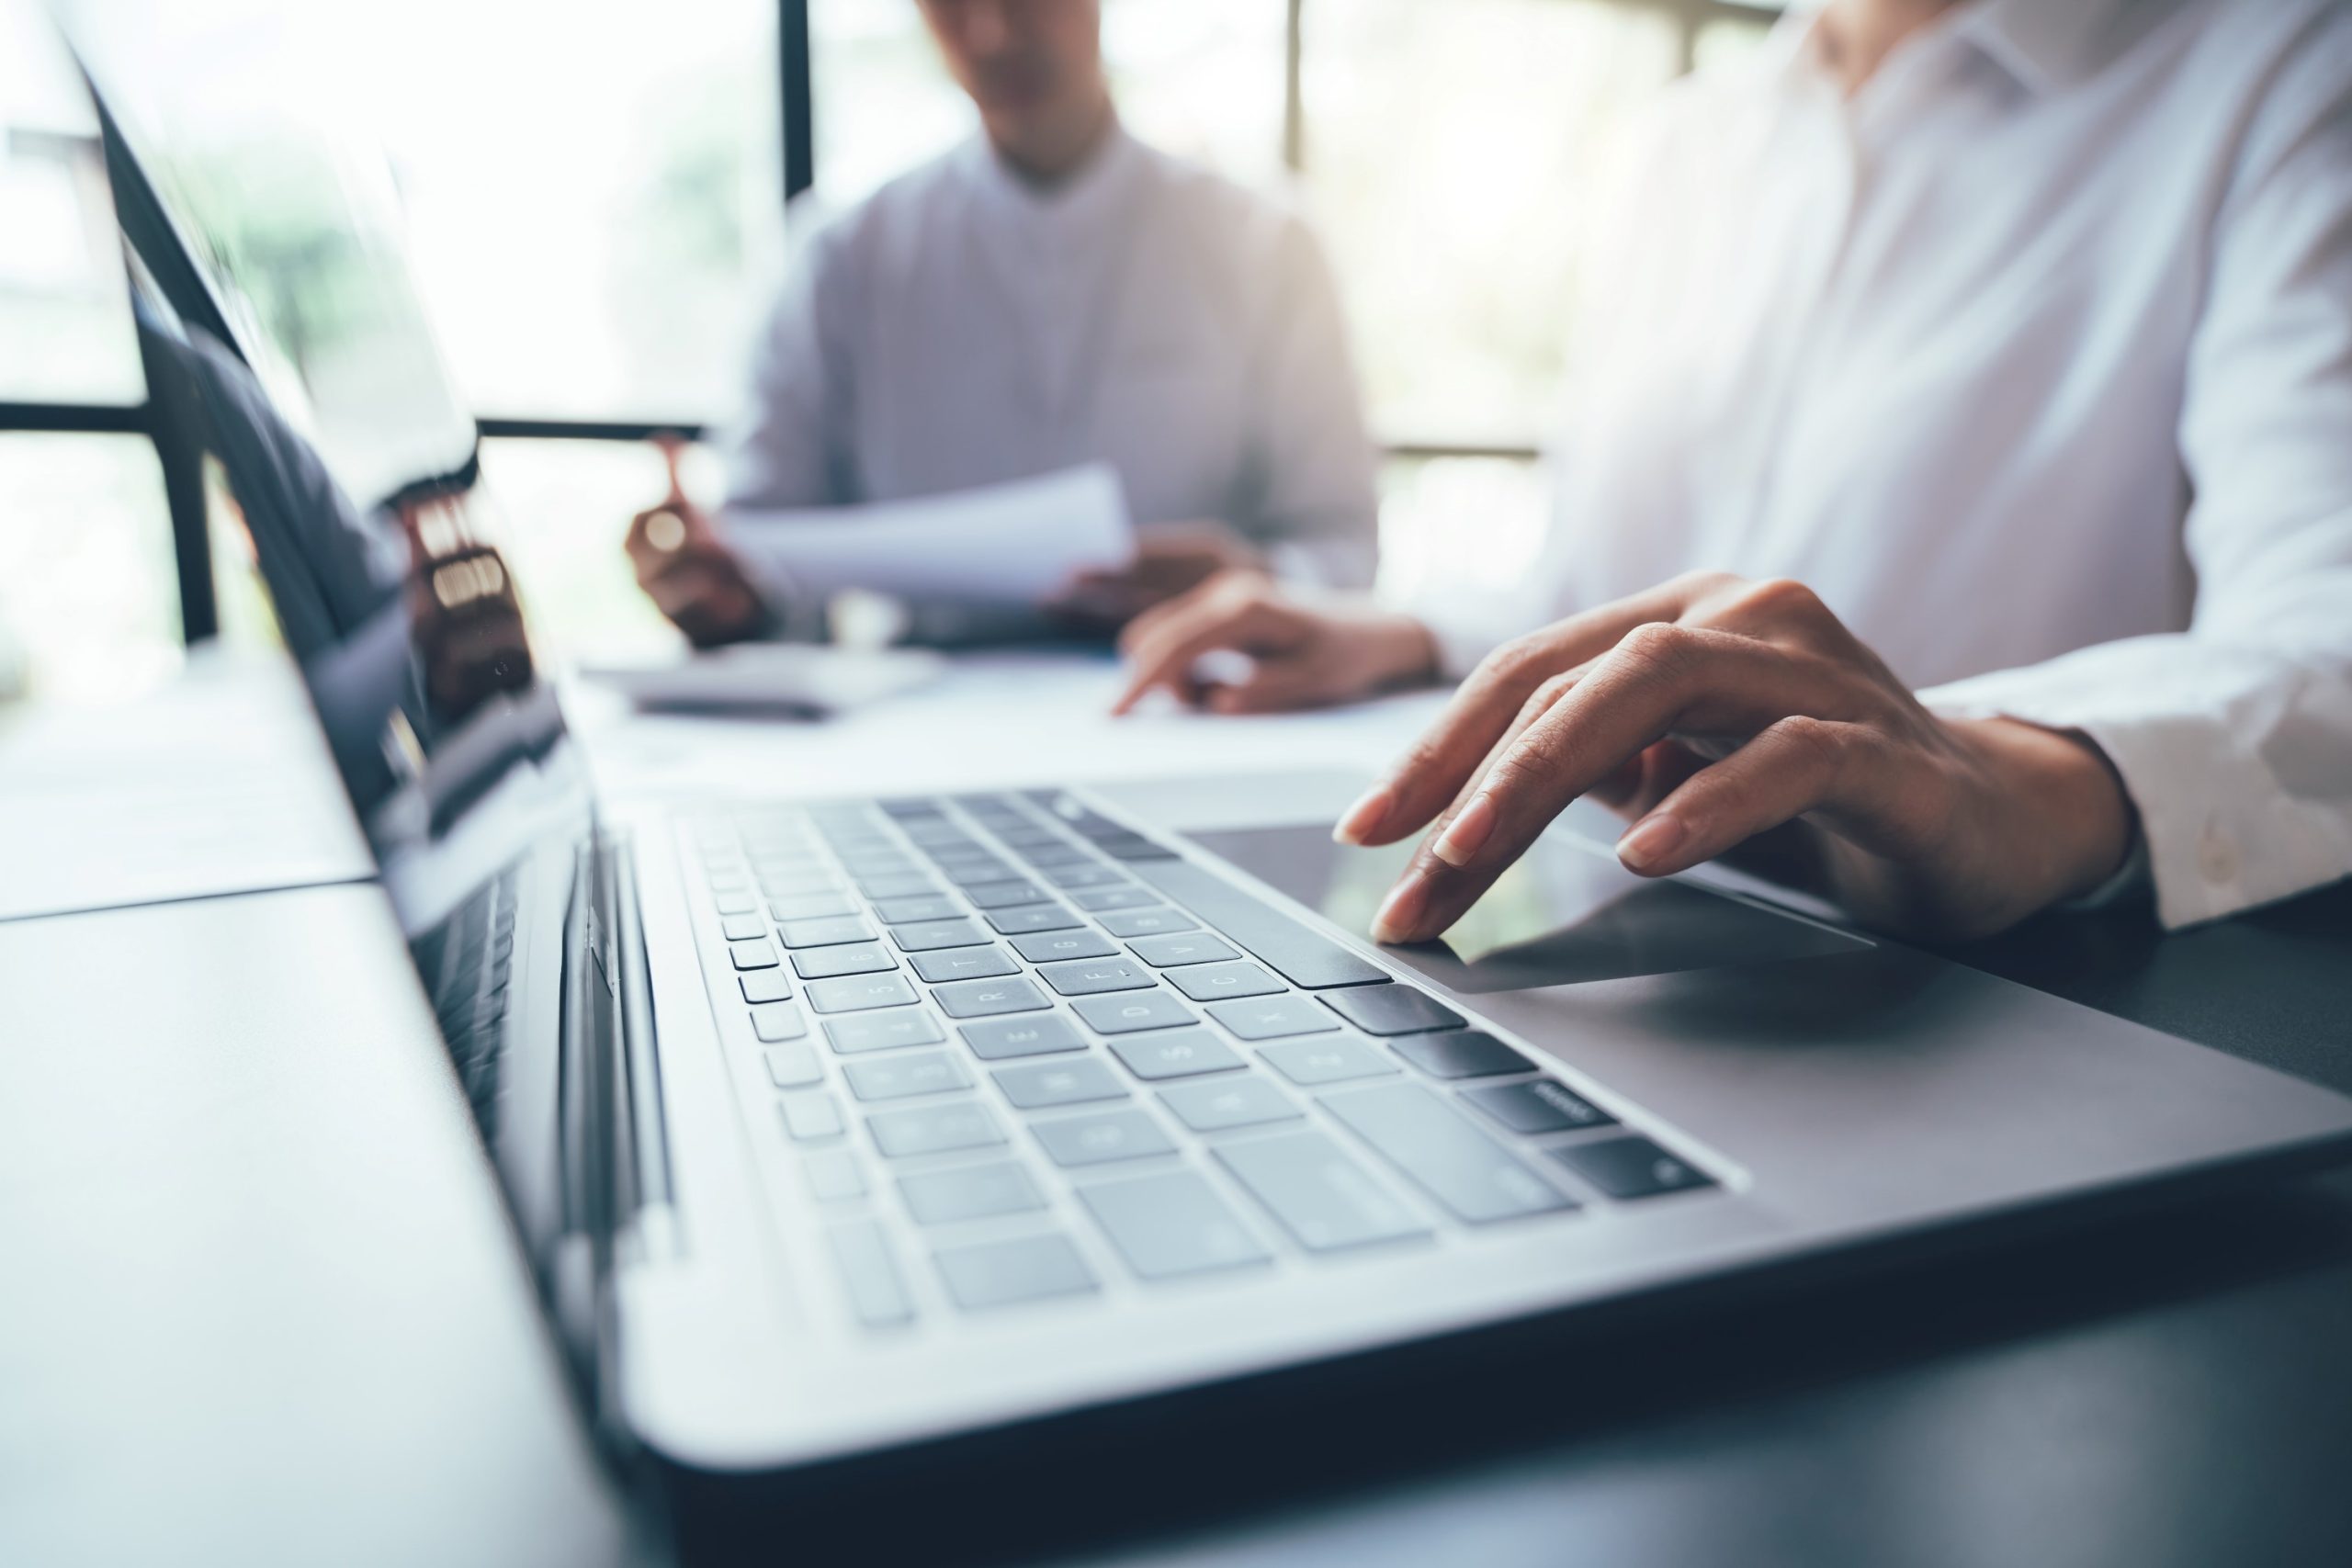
836, 1128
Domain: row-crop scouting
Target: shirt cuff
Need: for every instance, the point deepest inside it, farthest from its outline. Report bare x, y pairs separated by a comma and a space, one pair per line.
2183, 728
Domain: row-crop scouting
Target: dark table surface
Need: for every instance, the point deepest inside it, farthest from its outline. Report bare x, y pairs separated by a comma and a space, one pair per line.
2171, 1388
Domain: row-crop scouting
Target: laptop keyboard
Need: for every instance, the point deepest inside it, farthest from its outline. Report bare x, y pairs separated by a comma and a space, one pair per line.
966, 1005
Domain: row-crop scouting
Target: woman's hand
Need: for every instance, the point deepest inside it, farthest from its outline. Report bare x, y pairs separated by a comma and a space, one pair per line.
1728, 715
1171, 559
1297, 655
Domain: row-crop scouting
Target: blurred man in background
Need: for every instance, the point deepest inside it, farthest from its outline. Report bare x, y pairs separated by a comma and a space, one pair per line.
1051, 294
2000, 348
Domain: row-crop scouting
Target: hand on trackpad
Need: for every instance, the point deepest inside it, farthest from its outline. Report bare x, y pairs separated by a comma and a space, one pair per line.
1564, 914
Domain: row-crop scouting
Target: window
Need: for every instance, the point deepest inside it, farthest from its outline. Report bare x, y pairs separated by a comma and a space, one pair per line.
1450, 150
594, 243
89, 603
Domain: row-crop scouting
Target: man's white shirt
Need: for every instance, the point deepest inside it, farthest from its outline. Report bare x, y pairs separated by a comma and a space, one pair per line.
962, 327
2034, 359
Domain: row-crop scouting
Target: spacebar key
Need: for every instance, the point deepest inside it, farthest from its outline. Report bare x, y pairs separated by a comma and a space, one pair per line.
1306, 959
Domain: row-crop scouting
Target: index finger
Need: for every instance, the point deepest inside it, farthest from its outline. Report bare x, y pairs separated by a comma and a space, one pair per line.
1162, 651
1719, 682
1432, 772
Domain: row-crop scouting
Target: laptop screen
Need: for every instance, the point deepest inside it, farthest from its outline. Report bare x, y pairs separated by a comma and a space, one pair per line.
350, 465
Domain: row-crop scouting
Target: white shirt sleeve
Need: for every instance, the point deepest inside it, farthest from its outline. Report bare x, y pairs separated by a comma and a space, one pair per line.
1316, 508
789, 450
2234, 738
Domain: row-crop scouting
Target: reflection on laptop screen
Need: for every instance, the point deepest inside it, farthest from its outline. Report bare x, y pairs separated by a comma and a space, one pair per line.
295, 223
350, 463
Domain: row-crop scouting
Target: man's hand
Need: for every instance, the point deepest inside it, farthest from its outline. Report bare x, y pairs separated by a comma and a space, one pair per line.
1297, 655
688, 571
1721, 716
1171, 558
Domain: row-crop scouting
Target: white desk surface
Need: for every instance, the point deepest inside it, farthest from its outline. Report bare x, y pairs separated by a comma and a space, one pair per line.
995, 720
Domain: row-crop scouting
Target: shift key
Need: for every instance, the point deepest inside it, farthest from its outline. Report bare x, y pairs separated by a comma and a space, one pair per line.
1436, 1146
1319, 1192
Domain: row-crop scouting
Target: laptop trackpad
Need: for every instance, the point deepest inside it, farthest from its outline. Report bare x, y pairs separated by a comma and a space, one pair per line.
1566, 912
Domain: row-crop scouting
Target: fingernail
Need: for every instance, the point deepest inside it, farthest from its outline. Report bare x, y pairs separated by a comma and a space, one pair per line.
1401, 912
1359, 821
1650, 841
1467, 833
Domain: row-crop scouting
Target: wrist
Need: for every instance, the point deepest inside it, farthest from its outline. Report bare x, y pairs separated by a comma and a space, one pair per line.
1402, 651
2071, 822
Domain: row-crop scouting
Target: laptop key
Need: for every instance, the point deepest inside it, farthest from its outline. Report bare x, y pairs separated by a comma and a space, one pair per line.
1047, 947
752, 954
1147, 923
965, 963
1102, 1137
824, 963
1082, 875
982, 998
812, 906
903, 1078
1318, 1192
933, 1129
736, 904
1632, 1167
766, 986
1171, 1224
1219, 1103
1216, 982
898, 885
795, 1067
742, 928
1459, 1166
1182, 948
1002, 895
1074, 1082
1175, 1055
777, 1021
1461, 1053
1126, 1012
1025, 917
1050, 851
1543, 1106
812, 1116
870, 1276
881, 1031
1310, 1062
970, 1193
855, 993
1088, 977
834, 1175
1100, 899
1004, 1273
831, 931
904, 911
1305, 958
1021, 1037
971, 874
1273, 1018
925, 936
1392, 1009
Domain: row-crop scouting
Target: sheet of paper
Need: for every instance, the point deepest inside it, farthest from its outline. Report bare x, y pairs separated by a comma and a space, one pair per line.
995, 720
1005, 545
219, 783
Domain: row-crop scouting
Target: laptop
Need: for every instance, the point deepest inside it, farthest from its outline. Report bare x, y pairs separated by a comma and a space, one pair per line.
846, 1128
